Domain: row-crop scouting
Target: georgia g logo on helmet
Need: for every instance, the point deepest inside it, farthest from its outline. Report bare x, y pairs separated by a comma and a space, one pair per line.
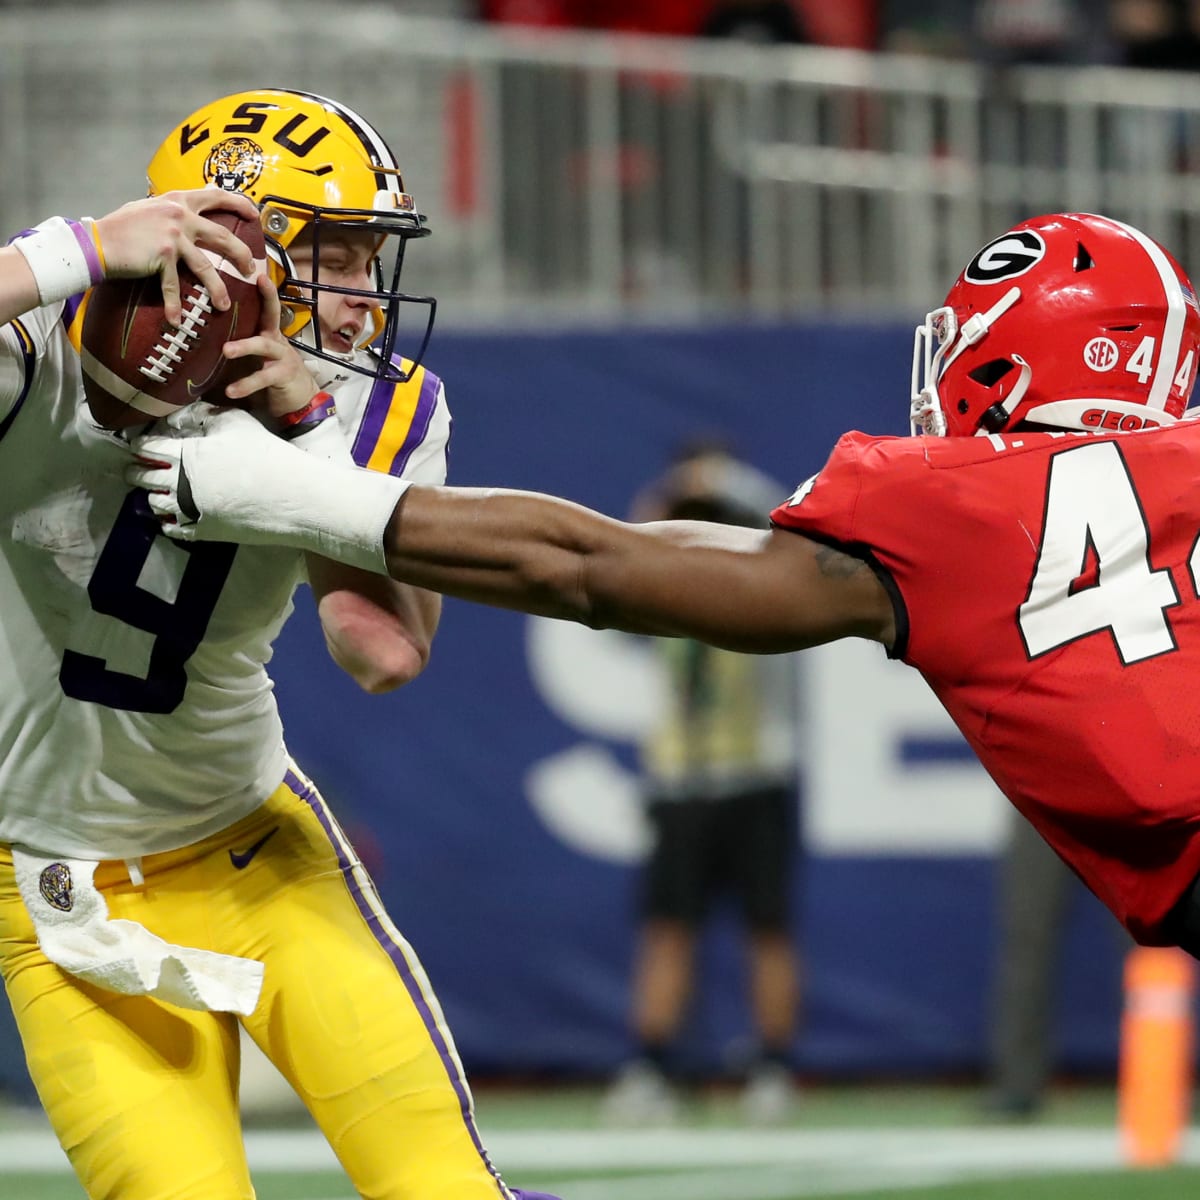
1006, 257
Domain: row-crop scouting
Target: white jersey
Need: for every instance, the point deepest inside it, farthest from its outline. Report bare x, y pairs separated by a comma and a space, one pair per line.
136, 713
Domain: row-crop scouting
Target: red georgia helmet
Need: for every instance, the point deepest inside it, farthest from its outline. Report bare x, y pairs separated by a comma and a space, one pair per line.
1069, 320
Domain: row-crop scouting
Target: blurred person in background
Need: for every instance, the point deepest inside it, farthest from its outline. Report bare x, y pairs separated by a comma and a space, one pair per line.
1034, 900
1034, 888
996, 33
750, 20
1156, 34
1036, 32
720, 780
766, 21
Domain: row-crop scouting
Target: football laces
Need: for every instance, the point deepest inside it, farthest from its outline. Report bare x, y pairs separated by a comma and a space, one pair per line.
161, 362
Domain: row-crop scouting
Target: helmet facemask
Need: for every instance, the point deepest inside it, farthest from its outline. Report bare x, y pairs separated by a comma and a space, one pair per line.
936, 345
300, 296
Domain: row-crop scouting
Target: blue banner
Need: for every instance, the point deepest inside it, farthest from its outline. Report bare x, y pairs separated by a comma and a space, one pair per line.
523, 909
493, 800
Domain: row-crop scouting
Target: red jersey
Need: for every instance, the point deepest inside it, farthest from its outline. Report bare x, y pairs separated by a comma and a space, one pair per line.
1047, 586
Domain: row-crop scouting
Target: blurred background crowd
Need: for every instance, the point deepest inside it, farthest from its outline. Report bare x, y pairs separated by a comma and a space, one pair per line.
1136, 33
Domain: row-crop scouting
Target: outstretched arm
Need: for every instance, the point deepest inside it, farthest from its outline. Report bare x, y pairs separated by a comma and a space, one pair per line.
739, 588
743, 589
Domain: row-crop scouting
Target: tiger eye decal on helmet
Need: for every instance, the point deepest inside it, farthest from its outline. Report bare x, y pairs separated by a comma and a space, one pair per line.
1006, 257
315, 169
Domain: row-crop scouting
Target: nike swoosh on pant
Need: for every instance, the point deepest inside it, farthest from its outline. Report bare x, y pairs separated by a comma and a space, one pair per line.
241, 859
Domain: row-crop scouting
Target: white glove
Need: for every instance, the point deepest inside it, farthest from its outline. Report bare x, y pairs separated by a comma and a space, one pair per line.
226, 479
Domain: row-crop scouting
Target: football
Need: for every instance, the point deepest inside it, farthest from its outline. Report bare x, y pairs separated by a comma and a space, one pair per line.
137, 368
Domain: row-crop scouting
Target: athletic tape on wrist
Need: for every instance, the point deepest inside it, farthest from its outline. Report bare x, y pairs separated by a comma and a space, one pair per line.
64, 256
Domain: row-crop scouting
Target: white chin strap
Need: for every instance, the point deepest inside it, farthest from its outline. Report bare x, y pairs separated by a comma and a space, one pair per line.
1015, 396
936, 344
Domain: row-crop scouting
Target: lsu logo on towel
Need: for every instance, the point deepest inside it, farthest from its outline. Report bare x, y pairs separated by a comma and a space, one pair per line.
55, 885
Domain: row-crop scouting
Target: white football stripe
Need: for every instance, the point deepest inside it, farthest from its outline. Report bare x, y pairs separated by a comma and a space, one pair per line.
1168, 354
226, 267
117, 387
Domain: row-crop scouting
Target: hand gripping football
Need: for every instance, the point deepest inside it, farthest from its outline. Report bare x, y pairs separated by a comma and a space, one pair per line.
137, 368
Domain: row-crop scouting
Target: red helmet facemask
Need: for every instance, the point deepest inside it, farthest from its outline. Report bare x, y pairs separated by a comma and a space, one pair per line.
1071, 321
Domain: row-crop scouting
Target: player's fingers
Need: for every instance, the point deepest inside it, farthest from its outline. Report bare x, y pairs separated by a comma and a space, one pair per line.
173, 522
268, 375
269, 349
169, 508
205, 270
226, 245
154, 478
172, 304
144, 459
155, 447
212, 199
270, 319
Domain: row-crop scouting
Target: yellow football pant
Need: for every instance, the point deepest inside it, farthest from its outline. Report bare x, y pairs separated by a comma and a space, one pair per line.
143, 1095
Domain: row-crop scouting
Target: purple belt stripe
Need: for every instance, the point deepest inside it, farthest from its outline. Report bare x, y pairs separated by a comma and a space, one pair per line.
310, 796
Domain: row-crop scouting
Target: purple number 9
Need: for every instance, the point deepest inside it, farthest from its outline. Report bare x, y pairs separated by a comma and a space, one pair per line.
178, 626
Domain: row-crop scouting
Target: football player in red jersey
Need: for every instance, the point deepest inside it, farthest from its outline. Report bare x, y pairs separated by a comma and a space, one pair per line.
1034, 553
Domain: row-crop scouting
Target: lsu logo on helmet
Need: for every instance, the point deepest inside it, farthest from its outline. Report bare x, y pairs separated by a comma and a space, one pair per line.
234, 164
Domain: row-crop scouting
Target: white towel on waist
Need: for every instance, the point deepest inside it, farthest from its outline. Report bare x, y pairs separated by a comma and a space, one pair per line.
71, 919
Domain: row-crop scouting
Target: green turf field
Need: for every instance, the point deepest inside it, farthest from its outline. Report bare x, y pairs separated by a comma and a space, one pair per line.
871, 1143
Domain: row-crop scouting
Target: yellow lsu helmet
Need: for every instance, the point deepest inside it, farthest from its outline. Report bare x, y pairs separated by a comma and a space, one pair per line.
307, 162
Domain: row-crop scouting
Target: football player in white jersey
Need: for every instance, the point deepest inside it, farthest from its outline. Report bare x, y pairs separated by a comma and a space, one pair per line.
166, 869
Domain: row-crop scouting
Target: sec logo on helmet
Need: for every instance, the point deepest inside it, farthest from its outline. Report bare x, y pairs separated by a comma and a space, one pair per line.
1101, 354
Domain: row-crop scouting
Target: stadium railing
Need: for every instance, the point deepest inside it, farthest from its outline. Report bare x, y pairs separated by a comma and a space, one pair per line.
595, 177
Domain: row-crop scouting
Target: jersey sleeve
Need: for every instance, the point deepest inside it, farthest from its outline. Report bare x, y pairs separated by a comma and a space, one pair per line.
24, 344
872, 499
404, 429
18, 358
824, 506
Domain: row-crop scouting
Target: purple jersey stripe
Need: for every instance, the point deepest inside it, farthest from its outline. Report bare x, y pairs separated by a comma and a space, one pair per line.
71, 308
29, 355
426, 403
379, 404
311, 797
